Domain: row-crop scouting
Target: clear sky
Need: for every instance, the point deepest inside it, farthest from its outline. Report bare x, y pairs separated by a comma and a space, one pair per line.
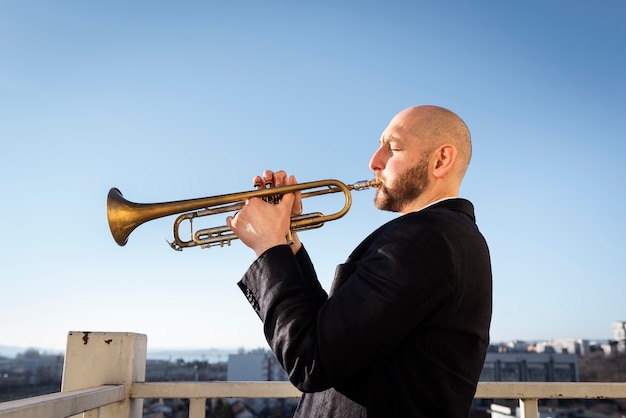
176, 100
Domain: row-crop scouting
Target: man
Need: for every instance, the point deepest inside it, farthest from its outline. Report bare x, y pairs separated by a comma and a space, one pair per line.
405, 329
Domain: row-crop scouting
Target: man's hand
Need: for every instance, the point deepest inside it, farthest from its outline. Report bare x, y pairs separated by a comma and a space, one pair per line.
280, 178
262, 225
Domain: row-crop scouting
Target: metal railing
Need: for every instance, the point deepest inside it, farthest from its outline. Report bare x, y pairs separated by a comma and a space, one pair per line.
65, 404
105, 392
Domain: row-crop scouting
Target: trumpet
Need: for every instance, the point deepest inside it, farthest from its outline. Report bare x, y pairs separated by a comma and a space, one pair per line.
124, 216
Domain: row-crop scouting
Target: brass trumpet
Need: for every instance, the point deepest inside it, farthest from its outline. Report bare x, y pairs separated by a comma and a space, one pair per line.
124, 216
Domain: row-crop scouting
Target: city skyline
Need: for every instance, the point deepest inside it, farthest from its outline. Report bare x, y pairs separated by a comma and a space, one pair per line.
215, 354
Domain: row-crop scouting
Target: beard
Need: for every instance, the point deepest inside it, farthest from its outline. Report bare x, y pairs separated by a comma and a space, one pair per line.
411, 184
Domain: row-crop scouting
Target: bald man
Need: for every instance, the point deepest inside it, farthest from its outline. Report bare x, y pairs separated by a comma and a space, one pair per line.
405, 328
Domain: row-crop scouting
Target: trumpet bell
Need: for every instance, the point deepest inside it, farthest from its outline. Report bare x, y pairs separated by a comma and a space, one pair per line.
122, 219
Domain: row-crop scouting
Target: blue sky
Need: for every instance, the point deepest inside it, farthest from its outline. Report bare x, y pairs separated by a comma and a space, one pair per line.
170, 101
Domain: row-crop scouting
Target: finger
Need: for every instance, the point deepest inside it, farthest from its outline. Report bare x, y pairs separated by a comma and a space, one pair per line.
297, 205
286, 202
268, 178
258, 182
232, 219
280, 177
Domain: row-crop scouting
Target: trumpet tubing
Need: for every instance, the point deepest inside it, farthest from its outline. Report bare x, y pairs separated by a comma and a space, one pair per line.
124, 216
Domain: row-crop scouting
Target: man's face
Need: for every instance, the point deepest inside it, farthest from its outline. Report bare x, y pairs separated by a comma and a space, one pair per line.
408, 187
402, 164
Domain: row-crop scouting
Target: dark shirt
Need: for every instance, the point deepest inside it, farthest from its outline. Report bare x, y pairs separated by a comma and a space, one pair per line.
405, 329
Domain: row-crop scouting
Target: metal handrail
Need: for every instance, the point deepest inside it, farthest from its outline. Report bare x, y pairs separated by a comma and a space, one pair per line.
64, 404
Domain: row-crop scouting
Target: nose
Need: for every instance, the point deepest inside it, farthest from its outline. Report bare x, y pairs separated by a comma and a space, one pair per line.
377, 162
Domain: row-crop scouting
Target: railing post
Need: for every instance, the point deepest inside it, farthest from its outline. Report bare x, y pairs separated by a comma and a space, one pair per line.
197, 407
529, 408
101, 358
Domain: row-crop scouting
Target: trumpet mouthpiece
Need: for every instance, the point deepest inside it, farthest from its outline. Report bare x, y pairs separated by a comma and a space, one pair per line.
365, 184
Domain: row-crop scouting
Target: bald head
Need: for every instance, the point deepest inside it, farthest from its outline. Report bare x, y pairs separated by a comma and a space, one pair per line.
436, 126
422, 158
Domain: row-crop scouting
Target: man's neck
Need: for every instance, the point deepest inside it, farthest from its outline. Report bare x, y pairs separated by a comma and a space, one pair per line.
429, 199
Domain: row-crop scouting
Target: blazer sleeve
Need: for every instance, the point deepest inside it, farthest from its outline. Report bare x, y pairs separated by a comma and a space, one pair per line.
309, 276
298, 267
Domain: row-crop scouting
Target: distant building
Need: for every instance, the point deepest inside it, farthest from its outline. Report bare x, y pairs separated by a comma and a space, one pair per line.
256, 365
530, 367
564, 346
619, 331
514, 346
618, 345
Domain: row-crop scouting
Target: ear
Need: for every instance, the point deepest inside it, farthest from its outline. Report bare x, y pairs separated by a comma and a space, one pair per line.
444, 158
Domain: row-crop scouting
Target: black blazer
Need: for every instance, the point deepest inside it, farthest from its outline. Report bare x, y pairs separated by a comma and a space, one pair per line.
405, 329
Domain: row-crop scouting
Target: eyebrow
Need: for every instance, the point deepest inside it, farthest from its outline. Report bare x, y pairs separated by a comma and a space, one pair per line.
389, 139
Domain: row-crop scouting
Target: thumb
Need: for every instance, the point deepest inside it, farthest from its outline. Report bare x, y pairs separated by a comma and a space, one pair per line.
287, 202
